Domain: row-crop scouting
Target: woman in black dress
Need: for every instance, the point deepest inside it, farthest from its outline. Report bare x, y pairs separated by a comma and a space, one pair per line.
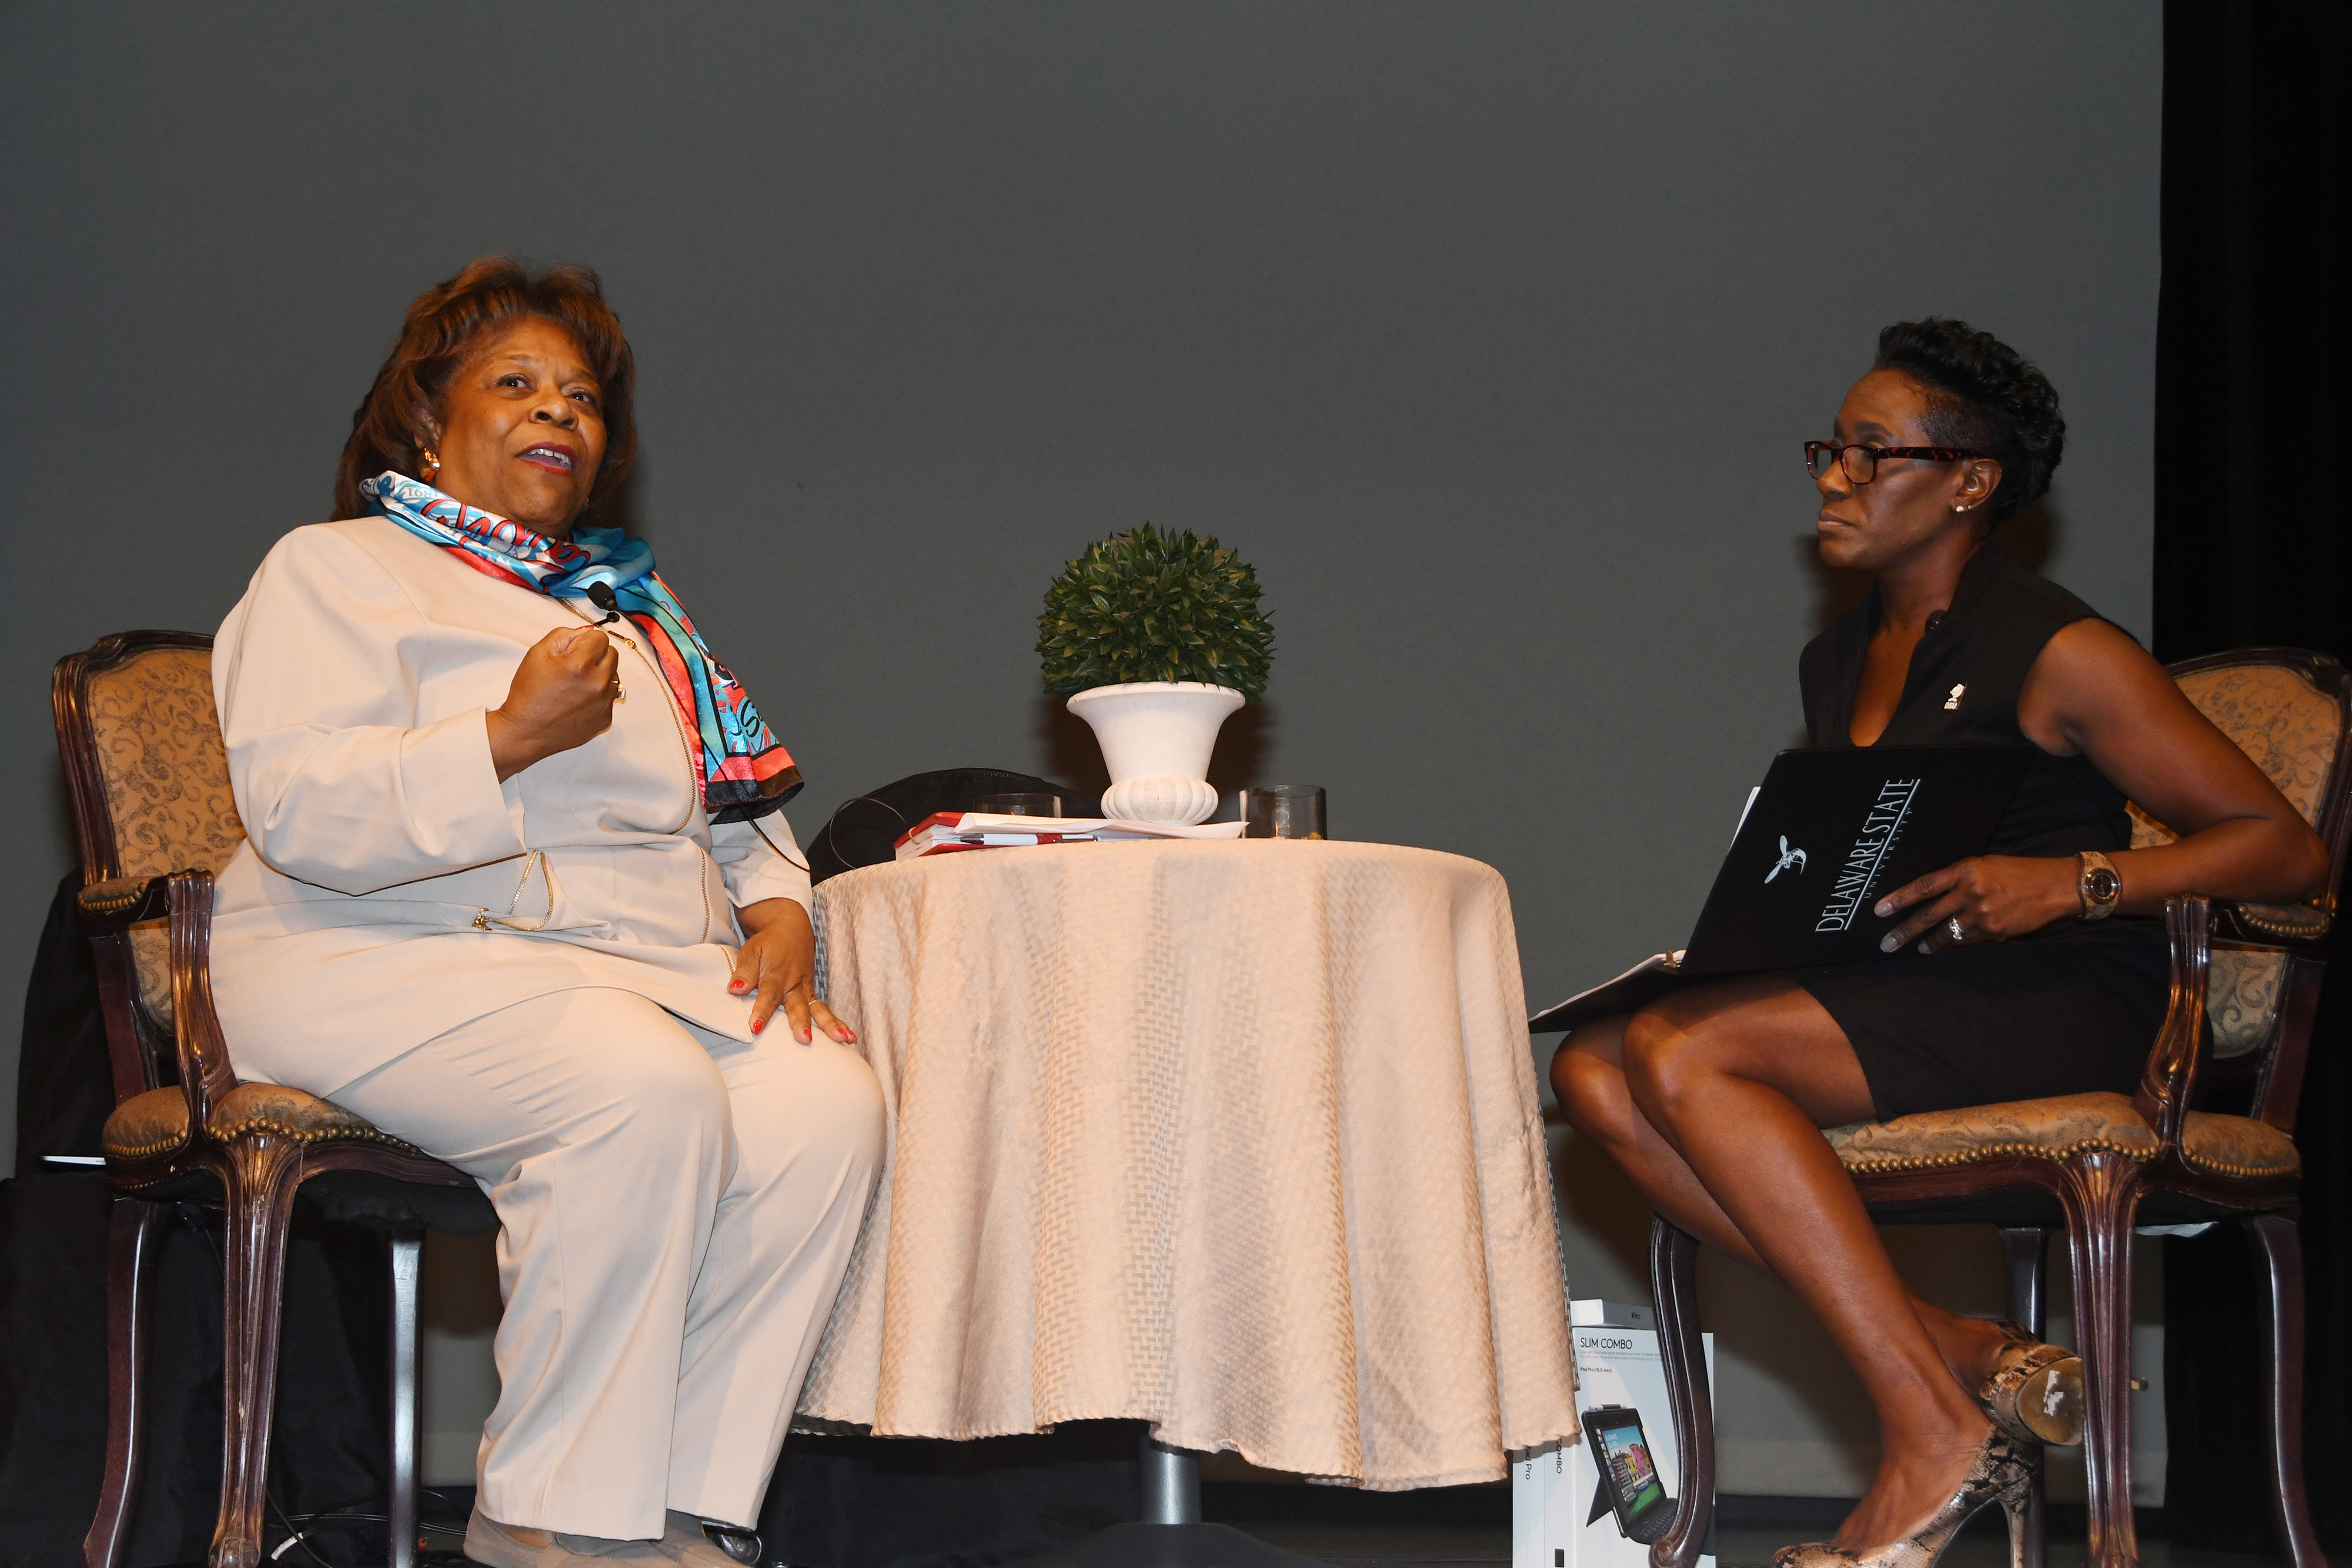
2040, 966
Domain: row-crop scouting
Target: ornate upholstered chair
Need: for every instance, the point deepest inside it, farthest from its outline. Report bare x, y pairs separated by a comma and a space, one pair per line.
143, 759
2209, 1136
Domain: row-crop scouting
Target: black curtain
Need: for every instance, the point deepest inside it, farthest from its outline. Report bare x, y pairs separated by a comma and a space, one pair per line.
2253, 464
333, 1412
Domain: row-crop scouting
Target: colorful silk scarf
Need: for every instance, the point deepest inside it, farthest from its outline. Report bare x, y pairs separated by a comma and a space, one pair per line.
743, 771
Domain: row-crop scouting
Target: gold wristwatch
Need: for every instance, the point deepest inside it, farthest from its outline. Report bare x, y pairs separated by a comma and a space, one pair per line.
2100, 887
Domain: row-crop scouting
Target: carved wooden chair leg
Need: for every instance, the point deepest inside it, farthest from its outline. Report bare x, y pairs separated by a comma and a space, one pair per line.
2028, 1249
2281, 1239
2101, 1193
131, 1243
406, 1251
1673, 1286
261, 1173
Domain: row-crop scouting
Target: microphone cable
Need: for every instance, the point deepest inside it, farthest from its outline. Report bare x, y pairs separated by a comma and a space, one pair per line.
601, 595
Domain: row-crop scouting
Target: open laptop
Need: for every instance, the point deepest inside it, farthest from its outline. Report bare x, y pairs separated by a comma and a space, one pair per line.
1827, 835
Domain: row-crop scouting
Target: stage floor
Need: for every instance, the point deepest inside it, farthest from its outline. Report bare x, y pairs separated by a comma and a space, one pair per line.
1463, 1526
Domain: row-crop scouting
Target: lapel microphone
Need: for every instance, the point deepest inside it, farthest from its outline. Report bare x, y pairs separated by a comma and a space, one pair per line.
1934, 617
600, 594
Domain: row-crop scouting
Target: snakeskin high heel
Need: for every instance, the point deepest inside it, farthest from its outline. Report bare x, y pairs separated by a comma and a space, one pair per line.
2003, 1473
2035, 1392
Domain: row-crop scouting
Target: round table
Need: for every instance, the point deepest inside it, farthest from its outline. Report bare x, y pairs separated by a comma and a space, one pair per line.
1238, 1138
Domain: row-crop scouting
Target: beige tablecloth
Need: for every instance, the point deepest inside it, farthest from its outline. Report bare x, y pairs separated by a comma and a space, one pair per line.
1239, 1138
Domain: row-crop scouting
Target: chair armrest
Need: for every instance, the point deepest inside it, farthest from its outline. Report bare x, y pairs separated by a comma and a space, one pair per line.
122, 900
186, 899
2169, 1080
2292, 927
206, 1075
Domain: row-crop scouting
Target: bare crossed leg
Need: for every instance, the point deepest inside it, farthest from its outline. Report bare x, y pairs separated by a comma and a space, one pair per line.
1713, 1102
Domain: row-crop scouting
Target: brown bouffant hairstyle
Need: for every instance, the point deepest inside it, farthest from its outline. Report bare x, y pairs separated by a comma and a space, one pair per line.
449, 323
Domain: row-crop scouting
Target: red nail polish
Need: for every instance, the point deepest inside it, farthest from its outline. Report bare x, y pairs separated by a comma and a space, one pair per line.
759, 1024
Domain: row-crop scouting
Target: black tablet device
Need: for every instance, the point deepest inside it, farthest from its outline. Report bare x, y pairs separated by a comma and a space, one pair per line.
1629, 1477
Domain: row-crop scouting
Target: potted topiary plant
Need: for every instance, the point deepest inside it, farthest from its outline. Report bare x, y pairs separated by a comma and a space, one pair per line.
1156, 637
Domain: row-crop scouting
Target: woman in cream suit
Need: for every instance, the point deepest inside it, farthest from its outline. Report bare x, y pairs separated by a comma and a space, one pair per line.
516, 890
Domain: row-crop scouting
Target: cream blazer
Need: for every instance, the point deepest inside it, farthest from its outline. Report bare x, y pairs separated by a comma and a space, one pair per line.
390, 888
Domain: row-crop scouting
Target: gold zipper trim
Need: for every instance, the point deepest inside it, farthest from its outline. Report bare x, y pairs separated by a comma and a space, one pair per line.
484, 919
702, 878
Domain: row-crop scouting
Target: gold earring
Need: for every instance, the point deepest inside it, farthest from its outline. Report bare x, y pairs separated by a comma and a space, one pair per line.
432, 465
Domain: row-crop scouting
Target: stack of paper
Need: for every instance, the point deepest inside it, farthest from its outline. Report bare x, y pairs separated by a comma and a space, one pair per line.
947, 831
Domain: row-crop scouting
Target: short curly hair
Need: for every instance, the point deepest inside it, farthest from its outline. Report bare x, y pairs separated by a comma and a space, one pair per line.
1985, 396
443, 326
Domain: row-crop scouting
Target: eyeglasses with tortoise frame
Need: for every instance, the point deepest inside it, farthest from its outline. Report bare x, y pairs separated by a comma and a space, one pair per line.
1861, 463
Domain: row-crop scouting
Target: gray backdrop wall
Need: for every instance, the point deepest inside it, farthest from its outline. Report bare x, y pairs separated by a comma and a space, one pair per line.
1487, 332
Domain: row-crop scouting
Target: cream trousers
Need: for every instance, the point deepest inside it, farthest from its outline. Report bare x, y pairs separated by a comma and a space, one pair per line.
676, 1211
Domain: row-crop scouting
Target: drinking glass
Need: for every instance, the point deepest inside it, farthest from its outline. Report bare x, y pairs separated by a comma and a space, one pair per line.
1019, 805
1283, 811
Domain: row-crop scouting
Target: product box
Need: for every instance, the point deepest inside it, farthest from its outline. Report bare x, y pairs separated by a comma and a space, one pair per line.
1555, 1519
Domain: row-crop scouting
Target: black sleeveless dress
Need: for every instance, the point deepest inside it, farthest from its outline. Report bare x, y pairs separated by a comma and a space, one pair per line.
2067, 1009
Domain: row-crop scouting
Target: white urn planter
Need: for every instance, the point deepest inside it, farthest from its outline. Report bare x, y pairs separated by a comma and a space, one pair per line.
1157, 737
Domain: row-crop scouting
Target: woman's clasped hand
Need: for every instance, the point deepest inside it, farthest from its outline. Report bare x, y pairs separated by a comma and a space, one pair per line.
562, 697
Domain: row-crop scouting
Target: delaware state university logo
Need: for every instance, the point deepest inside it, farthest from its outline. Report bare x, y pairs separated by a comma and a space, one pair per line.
1790, 860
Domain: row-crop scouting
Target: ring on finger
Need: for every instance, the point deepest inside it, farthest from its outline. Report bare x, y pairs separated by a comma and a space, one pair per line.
1953, 927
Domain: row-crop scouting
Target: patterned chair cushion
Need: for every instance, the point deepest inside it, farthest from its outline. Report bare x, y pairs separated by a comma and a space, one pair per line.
290, 1113
2054, 1129
166, 776
2238, 1145
146, 1125
2289, 728
2241, 996
2050, 1129
156, 1123
150, 957
2287, 725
